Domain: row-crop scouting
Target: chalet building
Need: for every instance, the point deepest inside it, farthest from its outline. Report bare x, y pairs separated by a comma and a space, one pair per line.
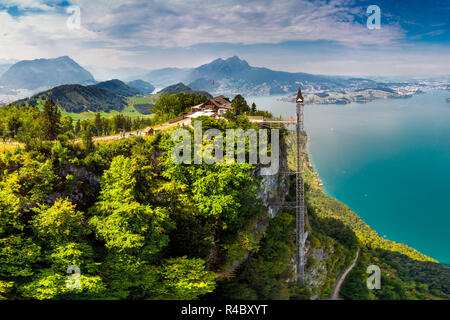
216, 106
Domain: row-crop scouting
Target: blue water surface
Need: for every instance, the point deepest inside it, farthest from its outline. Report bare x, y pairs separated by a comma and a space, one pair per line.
388, 160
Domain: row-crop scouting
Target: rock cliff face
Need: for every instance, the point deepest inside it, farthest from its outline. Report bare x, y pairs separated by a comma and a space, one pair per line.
274, 189
317, 275
319, 260
321, 265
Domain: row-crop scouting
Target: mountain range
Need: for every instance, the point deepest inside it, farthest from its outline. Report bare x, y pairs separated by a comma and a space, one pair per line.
233, 76
222, 76
103, 96
45, 73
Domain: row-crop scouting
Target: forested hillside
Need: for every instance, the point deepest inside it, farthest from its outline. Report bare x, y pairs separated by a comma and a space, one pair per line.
77, 98
118, 87
139, 226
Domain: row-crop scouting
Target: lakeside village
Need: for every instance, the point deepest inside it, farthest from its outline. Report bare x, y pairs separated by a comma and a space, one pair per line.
215, 108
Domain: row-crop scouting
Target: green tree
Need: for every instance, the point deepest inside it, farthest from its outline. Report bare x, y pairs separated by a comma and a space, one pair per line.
10, 204
77, 127
134, 234
88, 143
239, 105
122, 222
98, 124
50, 120
13, 124
67, 127
59, 223
185, 279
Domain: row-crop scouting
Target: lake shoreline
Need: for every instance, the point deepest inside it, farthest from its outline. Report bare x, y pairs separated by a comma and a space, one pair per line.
367, 155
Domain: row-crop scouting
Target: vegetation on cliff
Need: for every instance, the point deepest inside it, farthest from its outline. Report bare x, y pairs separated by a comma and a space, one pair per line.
137, 225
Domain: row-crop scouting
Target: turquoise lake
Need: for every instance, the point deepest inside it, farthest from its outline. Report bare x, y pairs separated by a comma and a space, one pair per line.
388, 160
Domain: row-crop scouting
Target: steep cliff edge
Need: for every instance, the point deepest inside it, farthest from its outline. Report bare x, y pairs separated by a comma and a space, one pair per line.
335, 234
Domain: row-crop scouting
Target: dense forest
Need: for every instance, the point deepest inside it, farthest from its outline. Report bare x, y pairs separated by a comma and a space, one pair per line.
27, 124
139, 226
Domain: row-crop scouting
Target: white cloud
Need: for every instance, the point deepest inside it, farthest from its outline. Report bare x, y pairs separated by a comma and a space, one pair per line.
27, 4
173, 23
117, 34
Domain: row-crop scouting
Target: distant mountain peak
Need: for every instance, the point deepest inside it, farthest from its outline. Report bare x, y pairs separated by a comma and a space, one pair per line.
142, 86
235, 58
234, 61
66, 58
114, 81
219, 69
118, 87
176, 88
182, 88
234, 75
45, 73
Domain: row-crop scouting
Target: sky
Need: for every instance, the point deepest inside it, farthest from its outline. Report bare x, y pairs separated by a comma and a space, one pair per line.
323, 37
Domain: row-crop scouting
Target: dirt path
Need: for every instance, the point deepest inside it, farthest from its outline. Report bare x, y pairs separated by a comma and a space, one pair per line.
159, 127
342, 278
10, 146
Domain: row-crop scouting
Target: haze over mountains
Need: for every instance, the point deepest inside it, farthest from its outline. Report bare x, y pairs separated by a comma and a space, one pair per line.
4, 68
